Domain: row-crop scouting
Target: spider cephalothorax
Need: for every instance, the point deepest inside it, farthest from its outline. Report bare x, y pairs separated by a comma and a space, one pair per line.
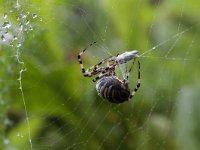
108, 85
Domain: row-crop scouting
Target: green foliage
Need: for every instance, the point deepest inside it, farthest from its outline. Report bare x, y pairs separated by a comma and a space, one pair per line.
63, 108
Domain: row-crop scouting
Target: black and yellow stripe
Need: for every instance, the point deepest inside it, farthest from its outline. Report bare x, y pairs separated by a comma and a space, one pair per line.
138, 82
115, 90
112, 89
80, 60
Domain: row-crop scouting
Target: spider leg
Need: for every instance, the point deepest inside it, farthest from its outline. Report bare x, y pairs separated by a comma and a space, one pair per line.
127, 74
100, 76
132, 66
89, 72
106, 71
80, 60
93, 70
95, 67
138, 82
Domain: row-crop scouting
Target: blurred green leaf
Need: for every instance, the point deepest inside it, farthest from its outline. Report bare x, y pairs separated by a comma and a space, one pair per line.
63, 108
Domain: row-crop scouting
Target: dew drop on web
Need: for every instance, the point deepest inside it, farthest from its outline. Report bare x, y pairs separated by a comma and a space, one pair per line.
6, 24
5, 15
20, 27
19, 44
30, 28
34, 16
27, 21
3, 38
15, 37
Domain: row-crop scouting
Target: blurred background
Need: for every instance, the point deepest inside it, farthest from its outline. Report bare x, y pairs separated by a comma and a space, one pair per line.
47, 104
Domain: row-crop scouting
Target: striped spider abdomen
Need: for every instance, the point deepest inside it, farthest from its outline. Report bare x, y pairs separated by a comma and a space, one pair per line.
113, 89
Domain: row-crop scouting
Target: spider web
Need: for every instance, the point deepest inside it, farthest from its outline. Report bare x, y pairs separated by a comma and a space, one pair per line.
66, 113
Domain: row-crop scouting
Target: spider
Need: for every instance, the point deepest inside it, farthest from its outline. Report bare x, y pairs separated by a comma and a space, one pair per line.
108, 85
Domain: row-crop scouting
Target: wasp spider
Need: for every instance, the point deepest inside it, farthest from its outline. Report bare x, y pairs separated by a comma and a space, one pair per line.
108, 85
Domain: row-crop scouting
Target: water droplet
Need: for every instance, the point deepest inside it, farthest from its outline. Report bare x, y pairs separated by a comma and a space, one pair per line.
5, 15
6, 24
17, 5
31, 28
6, 32
23, 16
153, 48
27, 21
15, 37
40, 19
3, 38
19, 44
11, 44
21, 27
17, 18
34, 16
